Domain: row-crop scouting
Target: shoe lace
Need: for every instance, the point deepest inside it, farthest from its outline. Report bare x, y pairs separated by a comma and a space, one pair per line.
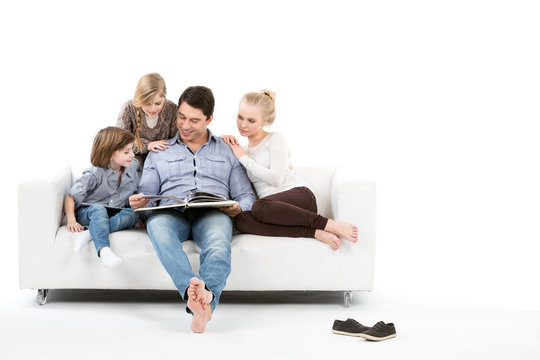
378, 325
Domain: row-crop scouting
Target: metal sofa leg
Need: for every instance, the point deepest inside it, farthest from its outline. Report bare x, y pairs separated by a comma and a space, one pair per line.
347, 298
42, 296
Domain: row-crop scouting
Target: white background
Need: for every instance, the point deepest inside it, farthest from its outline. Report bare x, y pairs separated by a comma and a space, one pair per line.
436, 102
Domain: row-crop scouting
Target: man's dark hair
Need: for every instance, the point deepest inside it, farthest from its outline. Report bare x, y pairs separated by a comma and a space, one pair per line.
199, 97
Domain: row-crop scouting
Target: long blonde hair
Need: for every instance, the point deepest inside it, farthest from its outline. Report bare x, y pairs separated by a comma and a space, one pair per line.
266, 99
148, 87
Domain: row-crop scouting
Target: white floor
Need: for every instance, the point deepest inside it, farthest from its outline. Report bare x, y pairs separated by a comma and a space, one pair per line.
153, 325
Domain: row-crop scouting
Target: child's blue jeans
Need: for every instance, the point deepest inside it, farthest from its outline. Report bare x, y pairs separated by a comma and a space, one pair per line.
97, 219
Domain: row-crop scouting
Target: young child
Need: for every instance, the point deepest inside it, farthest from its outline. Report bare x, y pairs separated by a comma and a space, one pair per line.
149, 116
99, 199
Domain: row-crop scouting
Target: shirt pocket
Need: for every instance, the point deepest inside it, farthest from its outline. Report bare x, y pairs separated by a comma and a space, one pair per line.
175, 168
218, 168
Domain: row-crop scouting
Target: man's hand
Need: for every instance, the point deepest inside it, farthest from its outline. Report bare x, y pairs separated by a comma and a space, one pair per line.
232, 211
136, 203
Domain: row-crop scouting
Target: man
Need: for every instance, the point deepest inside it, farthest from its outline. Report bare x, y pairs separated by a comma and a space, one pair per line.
195, 160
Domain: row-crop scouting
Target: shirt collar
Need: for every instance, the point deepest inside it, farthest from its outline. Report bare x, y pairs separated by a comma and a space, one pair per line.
109, 171
211, 137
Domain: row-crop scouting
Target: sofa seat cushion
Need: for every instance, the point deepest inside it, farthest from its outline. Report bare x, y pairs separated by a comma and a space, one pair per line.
280, 263
129, 243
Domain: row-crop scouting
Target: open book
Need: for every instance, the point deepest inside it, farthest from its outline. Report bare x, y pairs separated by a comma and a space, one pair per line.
194, 200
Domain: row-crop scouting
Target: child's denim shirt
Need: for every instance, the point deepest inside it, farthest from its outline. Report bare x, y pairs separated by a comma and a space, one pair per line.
100, 186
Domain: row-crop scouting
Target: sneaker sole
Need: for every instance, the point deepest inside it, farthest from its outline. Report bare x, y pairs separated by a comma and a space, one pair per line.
374, 338
346, 333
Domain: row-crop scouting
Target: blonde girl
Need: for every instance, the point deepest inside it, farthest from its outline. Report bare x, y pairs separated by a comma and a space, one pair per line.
149, 116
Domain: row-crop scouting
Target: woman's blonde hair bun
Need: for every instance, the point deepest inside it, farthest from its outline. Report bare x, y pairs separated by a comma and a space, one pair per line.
270, 94
266, 99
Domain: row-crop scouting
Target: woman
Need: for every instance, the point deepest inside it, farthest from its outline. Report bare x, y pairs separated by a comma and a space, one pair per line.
286, 205
149, 116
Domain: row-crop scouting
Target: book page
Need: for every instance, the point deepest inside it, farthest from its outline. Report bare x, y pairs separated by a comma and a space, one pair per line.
161, 197
200, 196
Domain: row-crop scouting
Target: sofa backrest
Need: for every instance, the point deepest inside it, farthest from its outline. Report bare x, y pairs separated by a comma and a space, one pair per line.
319, 179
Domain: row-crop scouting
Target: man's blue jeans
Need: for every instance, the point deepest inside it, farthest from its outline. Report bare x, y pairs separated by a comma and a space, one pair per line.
97, 219
212, 231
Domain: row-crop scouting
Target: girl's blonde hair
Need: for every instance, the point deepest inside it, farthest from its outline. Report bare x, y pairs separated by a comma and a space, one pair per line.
148, 87
266, 99
106, 142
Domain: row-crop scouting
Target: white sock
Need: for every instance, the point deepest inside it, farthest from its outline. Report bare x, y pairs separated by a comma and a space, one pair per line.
80, 239
108, 258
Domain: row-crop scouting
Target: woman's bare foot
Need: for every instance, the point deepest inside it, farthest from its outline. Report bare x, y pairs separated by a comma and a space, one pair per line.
328, 238
342, 229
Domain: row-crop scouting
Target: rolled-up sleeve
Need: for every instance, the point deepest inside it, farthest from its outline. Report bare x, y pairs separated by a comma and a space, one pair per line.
83, 187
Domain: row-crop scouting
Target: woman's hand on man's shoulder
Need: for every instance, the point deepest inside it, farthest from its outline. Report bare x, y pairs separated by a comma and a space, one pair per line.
230, 140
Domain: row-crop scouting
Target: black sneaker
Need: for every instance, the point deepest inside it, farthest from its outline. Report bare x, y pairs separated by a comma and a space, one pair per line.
349, 327
380, 331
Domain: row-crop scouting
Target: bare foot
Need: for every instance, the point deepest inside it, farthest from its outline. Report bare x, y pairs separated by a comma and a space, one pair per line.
202, 313
328, 238
199, 303
342, 229
197, 290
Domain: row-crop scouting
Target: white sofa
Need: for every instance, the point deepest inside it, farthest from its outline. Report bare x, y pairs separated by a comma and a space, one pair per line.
259, 263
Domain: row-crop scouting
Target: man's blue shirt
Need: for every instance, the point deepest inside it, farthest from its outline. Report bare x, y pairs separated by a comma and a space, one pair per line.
177, 171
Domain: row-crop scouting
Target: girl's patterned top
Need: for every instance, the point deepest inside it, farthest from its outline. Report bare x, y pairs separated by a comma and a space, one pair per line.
164, 129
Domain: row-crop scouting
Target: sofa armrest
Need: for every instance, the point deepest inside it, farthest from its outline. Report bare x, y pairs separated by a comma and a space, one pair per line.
40, 213
353, 201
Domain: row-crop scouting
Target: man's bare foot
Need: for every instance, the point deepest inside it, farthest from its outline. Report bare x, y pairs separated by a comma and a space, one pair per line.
202, 313
198, 292
328, 238
342, 229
